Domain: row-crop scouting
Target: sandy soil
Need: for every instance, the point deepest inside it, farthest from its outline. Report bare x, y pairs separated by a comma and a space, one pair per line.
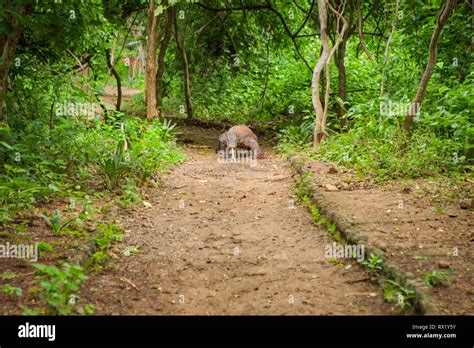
416, 225
227, 238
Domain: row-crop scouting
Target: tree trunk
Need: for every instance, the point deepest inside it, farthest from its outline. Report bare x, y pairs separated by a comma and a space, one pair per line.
325, 60
152, 45
108, 59
316, 98
360, 28
161, 60
341, 67
182, 52
7, 51
415, 105
387, 50
342, 36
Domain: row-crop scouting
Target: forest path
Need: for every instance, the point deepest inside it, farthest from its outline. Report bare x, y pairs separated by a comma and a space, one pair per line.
110, 95
223, 239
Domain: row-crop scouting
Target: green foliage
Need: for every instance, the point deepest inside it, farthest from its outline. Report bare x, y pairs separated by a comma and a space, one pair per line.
11, 290
44, 247
374, 264
299, 135
54, 222
59, 287
97, 261
111, 170
304, 191
401, 293
129, 250
8, 275
108, 233
89, 309
315, 213
435, 278
391, 155
154, 150
79, 151
304, 187
130, 196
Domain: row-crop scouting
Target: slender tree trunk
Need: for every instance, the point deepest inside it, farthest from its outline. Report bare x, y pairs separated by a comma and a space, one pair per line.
360, 27
112, 53
387, 50
108, 59
161, 60
316, 98
341, 33
7, 53
187, 81
142, 57
325, 60
415, 105
152, 45
341, 67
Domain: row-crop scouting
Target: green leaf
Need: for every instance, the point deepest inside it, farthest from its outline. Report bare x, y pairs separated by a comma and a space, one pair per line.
53, 187
8, 275
6, 145
159, 10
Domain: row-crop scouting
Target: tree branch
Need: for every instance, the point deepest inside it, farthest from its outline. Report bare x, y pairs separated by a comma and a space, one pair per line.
415, 105
289, 32
240, 8
360, 29
387, 49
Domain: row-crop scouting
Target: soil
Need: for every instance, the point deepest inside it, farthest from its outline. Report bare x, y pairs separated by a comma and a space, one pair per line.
416, 223
227, 238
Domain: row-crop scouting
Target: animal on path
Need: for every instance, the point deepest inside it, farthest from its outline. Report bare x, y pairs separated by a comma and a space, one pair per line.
239, 137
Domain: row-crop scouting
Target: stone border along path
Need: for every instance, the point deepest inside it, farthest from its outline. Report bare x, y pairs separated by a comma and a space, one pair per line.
351, 235
401, 226
227, 239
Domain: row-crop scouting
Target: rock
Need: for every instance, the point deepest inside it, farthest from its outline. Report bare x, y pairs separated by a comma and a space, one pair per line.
147, 204
381, 245
331, 187
91, 227
466, 204
443, 264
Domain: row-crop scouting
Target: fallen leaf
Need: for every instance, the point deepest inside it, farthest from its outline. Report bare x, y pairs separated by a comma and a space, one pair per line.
331, 187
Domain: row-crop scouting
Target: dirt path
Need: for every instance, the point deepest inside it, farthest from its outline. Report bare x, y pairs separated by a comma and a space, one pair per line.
223, 239
415, 223
110, 95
